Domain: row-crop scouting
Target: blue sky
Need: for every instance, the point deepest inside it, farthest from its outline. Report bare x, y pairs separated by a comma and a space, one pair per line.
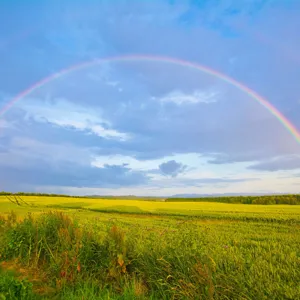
149, 127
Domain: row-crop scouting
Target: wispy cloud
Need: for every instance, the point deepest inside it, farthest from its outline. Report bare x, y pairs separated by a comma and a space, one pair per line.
65, 114
180, 98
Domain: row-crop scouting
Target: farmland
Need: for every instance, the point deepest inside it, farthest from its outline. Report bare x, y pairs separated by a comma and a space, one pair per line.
85, 248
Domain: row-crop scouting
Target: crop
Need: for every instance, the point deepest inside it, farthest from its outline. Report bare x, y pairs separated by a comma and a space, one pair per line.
116, 249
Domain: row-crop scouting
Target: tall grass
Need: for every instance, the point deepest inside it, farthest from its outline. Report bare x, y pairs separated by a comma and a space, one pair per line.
14, 289
172, 259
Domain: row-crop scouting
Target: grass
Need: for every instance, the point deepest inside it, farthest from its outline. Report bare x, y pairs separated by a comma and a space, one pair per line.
111, 249
14, 289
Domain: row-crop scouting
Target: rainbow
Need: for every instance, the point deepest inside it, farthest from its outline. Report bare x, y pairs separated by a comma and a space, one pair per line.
273, 110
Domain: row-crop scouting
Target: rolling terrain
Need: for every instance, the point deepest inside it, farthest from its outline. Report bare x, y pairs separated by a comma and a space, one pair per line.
85, 248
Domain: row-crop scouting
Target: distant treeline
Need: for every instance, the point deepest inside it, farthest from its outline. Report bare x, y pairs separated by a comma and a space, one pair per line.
267, 199
70, 196
38, 194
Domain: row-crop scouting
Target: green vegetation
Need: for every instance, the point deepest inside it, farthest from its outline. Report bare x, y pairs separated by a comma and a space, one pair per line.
195, 210
14, 289
151, 250
3, 193
265, 200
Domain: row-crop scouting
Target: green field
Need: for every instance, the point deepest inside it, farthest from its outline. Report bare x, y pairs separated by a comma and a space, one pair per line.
84, 248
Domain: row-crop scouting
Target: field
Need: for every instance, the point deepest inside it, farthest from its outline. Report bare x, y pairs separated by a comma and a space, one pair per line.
84, 248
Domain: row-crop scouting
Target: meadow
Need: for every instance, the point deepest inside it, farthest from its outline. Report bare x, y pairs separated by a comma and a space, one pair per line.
85, 248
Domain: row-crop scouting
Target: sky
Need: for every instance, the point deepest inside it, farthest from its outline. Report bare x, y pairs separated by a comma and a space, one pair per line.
124, 117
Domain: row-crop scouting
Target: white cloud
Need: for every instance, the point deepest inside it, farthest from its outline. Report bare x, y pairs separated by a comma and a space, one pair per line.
109, 133
112, 83
103, 76
196, 166
145, 165
178, 97
166, 187
66, 114
141, 165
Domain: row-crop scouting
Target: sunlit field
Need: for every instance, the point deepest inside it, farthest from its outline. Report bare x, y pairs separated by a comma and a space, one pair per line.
289, 213
83, 248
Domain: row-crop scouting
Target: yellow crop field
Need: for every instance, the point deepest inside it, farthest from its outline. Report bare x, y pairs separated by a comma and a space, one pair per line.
93, 248
200, 209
